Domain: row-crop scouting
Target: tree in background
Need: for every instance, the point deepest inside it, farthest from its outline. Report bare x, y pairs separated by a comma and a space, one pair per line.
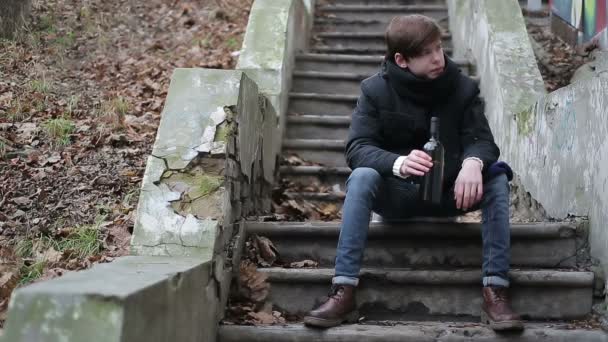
12, 16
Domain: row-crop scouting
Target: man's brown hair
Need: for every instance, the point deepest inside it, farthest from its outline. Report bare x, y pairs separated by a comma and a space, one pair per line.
409, 34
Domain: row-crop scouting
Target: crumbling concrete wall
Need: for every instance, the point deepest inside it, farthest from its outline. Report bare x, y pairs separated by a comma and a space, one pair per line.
13, 14
564, 147
133, 299
211, 166
555, 143
276, 31
207, 171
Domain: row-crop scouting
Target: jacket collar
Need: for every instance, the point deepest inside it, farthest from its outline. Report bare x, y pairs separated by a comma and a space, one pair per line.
421, 90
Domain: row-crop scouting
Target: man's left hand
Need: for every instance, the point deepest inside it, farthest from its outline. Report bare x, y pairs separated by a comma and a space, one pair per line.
469, 185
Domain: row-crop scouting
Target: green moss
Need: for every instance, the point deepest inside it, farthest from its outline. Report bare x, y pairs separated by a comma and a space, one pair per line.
194, 183
525, 121
223, 131
206, 184
62, 318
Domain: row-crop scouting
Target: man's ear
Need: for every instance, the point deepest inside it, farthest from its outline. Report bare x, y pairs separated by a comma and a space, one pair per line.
400, 60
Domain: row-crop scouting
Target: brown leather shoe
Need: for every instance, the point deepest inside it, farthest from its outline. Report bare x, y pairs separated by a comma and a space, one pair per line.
339, 307
496, 310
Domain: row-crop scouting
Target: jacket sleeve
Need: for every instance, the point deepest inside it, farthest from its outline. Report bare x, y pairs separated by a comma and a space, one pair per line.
365, 138
476, 135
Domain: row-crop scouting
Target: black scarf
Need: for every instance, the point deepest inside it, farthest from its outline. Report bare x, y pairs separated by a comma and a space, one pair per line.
420, 90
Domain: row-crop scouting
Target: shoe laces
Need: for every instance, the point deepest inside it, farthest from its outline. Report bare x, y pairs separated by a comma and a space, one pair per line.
500, 295
335, 293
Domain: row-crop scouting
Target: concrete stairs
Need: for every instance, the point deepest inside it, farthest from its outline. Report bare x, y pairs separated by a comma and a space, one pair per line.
421, 277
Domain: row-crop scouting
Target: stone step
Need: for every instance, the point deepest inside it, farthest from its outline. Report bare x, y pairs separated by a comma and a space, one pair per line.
363, 65
409, 331
321, 104
326, 152
330, 82
329, 177
435, 294
362, 50
317, 126
360, 25
327, 82
322, 198
383, 13
361, 40
422, 244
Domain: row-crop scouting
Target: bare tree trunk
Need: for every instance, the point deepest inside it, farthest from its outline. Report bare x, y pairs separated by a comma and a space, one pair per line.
13, 14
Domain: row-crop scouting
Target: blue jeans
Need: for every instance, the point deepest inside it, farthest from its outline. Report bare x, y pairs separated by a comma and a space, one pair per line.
396, 198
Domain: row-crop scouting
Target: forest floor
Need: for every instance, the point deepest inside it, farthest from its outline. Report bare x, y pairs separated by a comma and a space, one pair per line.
81, 92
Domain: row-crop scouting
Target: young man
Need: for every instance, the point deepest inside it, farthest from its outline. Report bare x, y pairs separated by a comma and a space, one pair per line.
389, 128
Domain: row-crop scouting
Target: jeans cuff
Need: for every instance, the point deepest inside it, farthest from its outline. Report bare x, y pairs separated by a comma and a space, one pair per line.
496, 281
342, 280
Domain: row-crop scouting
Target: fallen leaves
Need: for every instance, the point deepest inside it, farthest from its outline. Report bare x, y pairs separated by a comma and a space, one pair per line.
304, 264
250, 305
288, 203
102, 69
252, 284
556, 59
265, 251
10, 265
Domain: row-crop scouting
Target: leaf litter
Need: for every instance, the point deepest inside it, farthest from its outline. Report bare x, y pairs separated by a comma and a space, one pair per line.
248, 303
81, 92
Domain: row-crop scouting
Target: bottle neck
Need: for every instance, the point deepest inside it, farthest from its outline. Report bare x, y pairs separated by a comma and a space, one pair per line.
435, 130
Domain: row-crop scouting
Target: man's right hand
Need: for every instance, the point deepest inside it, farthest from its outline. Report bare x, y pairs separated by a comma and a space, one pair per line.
417, 163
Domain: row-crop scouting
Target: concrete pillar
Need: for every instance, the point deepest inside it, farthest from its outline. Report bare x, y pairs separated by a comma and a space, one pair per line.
13, 14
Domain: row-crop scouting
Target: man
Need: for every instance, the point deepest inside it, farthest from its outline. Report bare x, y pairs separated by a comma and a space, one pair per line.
389, 127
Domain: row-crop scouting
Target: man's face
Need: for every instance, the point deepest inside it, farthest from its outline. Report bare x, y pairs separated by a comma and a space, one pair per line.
430, 64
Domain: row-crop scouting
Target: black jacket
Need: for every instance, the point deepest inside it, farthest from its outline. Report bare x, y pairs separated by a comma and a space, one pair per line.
393, 114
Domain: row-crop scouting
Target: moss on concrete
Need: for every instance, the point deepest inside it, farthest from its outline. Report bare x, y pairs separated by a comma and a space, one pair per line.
56, 317
205, 185
224, 130
525, 120
197, 187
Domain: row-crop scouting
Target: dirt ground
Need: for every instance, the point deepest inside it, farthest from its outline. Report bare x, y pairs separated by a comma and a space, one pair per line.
81, 92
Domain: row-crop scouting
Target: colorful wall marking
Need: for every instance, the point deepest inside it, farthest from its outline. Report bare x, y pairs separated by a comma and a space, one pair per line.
589, 17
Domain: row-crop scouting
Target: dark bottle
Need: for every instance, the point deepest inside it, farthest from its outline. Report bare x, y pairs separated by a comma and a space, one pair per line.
432, 182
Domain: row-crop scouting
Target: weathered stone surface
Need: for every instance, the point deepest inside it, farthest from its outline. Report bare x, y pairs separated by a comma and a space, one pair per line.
131, 299
556, 143
195, 106
408, 332
567, 155
249, 120
180, 207
271, 140
596, 68
276, 29
430, 294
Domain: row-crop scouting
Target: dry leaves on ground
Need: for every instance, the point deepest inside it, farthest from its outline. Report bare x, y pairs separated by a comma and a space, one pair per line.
556, 59
304, 264
252, 284
81, 92
249, 306
292, 207
10, 265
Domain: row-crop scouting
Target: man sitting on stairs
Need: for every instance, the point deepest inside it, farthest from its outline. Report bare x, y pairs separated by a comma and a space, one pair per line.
389, 127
